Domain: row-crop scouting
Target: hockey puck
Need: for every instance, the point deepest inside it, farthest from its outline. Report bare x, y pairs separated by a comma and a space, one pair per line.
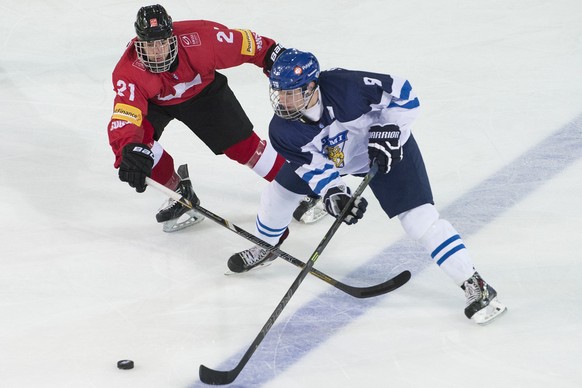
125, 364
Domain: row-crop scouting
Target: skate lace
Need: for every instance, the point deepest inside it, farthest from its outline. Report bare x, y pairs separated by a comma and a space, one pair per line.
172, 203
254, 255
475, 290
310, 202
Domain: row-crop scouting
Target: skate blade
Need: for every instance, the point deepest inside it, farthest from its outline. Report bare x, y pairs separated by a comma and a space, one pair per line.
188, 219
485, 316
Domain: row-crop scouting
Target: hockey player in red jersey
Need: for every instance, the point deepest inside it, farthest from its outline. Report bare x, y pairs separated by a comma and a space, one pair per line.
169, 71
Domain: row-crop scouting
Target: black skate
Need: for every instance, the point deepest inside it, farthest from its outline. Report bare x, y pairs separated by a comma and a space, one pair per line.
173, 214
310, 210
482, 304
254, 257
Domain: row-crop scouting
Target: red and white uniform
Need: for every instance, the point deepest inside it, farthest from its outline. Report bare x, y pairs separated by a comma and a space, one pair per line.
203, 47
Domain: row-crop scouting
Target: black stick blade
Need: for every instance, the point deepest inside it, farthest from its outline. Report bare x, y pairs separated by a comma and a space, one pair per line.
217, 377
390, 285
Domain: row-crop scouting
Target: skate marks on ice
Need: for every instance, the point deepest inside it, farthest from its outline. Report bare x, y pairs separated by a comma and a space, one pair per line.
513, 183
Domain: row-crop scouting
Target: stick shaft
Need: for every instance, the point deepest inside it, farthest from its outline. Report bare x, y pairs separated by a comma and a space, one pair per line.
211, 376
357, 292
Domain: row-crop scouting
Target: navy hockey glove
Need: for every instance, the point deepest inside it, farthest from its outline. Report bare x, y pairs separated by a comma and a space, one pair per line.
338, 197
137, 161
384, 146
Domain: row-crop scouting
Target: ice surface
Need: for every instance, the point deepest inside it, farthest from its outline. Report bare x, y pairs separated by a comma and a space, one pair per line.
87, 278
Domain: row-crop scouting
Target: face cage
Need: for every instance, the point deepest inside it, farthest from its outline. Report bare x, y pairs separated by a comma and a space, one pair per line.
153, 65
290, 104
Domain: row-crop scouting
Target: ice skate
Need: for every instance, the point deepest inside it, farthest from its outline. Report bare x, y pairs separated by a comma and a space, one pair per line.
173, 214
255, 257
482, 304
310, 210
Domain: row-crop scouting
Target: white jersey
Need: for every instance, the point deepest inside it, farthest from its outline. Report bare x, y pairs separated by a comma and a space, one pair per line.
353, 101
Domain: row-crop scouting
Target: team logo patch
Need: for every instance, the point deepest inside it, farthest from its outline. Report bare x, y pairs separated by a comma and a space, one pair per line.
127, 113
116, 124
248, 46
259, 41
190, 40
153, 22
334, 148
336, 155
137, 63
297, 70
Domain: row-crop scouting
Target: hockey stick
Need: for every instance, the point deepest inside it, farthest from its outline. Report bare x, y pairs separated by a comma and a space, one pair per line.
357, 292
216, 377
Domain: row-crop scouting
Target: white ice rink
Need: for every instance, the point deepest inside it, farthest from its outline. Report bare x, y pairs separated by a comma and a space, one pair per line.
87, 277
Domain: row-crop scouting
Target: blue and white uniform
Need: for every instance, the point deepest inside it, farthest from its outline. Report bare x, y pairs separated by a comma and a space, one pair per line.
338, 143
335, 144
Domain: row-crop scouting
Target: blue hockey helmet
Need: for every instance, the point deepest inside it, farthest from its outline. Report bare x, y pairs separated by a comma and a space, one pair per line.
293, 69
290, 83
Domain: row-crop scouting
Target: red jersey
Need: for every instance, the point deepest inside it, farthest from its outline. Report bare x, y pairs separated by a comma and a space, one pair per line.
203, 47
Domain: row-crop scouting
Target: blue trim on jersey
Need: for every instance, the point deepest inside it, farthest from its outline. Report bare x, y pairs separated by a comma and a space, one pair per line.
405, 91
308, 176
409, 105
289, 179
322, 182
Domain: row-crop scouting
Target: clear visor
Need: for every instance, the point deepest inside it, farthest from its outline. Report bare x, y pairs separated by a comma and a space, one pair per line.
157, 55
290, 104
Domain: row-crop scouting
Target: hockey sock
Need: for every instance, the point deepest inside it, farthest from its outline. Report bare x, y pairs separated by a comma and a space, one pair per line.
258, 155
448, 251
163, 171
275, 212
441, 239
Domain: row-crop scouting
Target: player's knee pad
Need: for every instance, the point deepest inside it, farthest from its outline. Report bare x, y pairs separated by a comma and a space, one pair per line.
416, 222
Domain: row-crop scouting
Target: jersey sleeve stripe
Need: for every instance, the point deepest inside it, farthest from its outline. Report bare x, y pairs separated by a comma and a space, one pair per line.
408, 105
405, 91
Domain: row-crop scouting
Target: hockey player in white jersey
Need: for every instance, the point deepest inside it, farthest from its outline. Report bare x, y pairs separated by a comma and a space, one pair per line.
338, 122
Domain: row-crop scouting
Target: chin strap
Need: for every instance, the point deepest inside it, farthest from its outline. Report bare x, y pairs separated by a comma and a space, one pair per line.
313, 114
